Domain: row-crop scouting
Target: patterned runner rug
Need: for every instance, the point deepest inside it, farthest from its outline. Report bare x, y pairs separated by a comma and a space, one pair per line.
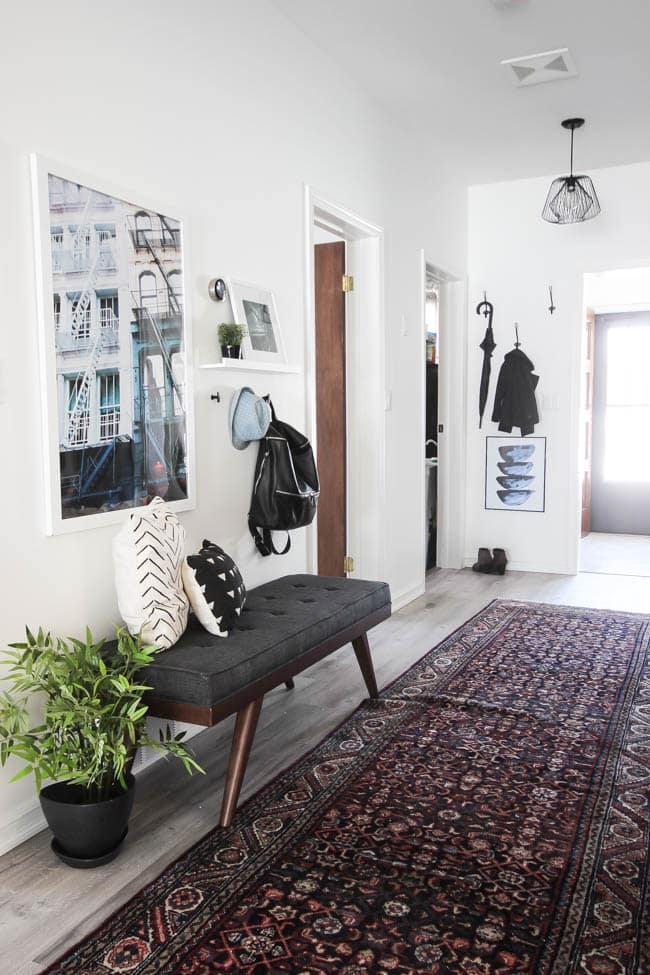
489, 815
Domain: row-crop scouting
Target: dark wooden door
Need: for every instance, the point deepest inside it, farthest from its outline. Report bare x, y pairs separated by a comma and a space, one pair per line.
588, 409
331, 443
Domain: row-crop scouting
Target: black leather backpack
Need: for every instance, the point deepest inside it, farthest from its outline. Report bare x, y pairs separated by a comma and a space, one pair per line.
286, 486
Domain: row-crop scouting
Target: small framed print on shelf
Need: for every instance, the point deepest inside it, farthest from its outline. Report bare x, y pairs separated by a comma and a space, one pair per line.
254, 307
515, 473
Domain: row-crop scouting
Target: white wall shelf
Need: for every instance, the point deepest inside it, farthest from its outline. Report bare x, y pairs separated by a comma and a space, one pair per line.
244, 365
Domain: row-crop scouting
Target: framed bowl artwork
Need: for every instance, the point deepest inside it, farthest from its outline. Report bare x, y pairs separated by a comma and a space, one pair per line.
115, 349
254, 307
515, 473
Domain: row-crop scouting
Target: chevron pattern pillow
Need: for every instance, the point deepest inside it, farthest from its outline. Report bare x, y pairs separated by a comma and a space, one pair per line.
215, 588
148, 554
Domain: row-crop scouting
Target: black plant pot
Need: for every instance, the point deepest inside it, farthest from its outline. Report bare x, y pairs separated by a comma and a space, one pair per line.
86, 834
231, 351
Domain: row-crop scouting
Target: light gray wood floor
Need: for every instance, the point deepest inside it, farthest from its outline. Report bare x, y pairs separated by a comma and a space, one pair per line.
45, 906
621, 555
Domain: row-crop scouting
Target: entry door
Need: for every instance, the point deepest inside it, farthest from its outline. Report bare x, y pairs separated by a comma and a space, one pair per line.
588, 405
620, 490
331, 424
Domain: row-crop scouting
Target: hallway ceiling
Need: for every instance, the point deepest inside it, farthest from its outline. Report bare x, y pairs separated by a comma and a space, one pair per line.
434, 68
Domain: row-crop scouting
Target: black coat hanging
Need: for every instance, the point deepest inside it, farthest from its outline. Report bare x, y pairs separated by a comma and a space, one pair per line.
488, 345
514, 401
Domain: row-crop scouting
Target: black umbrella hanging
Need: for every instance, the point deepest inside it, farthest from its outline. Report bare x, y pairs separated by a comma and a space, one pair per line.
488, 345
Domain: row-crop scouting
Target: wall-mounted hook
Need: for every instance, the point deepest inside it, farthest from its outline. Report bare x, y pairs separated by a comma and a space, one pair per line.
551, 307
517, 342
485, 308
216, 396
217, 289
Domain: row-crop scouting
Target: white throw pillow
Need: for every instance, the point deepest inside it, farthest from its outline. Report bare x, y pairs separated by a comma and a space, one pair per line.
148, 554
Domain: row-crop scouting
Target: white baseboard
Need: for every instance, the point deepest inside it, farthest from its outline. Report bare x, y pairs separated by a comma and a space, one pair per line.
561, 570
27, 822
405, 596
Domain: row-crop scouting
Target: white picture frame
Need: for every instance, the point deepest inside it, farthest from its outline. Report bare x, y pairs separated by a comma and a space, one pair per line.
515, 473
254, 307
115, 348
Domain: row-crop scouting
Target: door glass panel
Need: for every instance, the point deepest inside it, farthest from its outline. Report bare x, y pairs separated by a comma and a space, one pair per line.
627, 409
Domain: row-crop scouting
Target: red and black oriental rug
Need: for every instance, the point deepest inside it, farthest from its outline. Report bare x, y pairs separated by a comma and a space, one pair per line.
488, 815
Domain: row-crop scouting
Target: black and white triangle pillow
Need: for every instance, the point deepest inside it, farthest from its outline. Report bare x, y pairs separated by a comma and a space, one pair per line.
148, 554
215, 588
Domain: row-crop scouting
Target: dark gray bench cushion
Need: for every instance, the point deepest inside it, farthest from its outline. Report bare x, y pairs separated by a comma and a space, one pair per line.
281, 620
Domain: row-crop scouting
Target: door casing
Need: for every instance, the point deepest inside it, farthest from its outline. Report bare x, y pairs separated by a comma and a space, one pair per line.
365, 377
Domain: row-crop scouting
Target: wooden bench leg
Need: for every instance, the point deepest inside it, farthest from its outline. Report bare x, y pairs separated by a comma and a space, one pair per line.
362, 651
240, 749
289, 684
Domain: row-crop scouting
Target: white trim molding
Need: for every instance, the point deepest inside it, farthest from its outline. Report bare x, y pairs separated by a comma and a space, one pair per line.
366, 381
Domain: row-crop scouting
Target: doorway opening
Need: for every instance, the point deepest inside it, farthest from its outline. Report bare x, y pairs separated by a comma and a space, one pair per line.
615, 469
431, 363
444, 356
345, 388
330, 277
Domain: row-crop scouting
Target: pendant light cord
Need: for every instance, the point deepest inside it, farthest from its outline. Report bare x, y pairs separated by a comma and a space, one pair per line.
572, 134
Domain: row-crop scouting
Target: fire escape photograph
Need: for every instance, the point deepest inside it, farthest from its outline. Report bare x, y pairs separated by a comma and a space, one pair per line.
118, 318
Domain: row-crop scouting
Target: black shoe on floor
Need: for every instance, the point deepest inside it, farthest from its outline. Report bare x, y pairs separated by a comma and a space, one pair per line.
485, 561
499, 562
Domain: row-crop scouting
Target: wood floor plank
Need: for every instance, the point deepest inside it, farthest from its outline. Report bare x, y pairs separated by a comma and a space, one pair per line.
45, 907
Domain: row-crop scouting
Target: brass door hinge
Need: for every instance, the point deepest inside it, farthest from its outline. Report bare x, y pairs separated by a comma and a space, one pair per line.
348, 283
348, 564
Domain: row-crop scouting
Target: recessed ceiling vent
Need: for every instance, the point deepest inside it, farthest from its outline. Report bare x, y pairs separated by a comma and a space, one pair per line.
538, 68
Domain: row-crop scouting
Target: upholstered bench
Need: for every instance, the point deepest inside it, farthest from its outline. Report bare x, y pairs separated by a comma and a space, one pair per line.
286, 626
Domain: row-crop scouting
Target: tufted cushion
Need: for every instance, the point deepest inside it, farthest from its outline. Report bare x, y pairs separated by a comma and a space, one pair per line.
281, 620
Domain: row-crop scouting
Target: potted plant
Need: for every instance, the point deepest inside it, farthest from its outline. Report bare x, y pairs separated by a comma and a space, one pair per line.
94, 722
230, 336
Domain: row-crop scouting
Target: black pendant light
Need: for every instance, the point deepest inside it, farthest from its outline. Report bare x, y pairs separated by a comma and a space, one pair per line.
571, 199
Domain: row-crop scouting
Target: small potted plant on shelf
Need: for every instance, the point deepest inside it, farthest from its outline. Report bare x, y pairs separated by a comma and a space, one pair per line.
230, 336
94, 722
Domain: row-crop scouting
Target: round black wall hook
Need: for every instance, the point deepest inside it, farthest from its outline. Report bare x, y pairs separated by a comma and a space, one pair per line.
217, 289
216, 396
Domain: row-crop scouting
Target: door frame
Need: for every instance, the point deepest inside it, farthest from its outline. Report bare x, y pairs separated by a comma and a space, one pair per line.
367, 418
452, 407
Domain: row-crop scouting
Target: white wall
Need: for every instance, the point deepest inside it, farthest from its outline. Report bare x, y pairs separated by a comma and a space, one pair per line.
224, 111
514, 255
438, 212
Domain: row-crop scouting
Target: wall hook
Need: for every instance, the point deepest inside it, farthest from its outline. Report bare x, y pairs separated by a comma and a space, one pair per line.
217, 289
517, 342
216, 396
485, 308
551, 307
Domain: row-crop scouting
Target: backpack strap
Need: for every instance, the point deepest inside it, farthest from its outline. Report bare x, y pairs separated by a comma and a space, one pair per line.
263, 538
268, 540
270, 402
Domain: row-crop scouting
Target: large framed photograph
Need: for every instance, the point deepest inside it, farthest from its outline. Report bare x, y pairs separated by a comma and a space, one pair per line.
254, 307
115, 349
515, 473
